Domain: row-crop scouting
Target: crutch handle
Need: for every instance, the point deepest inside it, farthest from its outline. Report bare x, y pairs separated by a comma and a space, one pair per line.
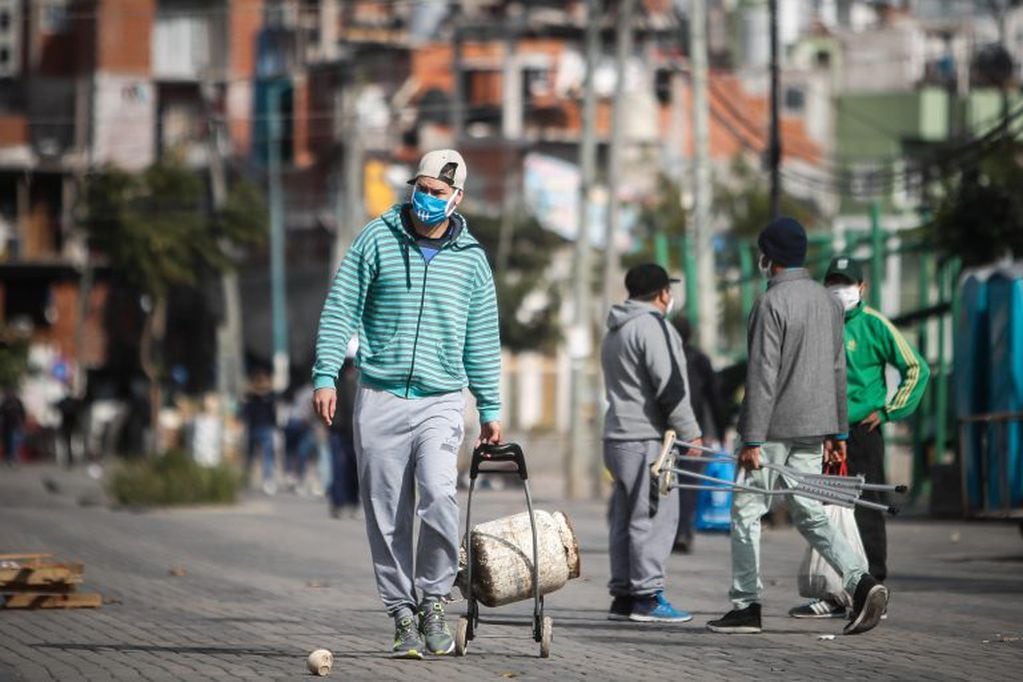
493, 452
662, 459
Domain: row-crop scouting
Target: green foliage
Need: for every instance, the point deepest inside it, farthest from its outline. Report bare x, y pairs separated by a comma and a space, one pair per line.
13, 359
172, 479
980, 218
154, 228
528, 259
745, 204
664, 215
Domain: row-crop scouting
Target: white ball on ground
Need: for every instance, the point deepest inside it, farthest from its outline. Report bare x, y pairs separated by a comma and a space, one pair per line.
320, 662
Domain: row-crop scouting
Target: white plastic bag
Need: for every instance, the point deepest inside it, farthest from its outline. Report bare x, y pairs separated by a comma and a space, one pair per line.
817, 580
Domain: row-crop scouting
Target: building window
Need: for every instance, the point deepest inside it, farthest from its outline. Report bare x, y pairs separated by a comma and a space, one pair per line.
53, 17
795, 99
5, 20
823, 58
181, 46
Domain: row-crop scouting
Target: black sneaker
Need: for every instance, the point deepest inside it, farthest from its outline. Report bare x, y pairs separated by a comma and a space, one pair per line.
621, 608
869, 604
738, 621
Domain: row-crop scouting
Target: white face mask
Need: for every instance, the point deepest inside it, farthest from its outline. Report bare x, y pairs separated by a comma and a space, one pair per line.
847, 294
764, 263
670, 307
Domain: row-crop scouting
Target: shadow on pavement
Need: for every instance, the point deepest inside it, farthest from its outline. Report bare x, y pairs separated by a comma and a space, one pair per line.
959, 585
153, 648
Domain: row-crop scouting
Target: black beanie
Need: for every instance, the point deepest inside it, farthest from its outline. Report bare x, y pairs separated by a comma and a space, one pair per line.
783, 241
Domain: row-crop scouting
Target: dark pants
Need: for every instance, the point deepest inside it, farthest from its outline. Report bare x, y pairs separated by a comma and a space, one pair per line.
299, 446
687, 502
12, 440
261, 439
866, 456
344, 477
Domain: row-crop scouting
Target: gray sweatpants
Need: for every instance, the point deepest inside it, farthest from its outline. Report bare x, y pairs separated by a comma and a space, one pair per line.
403, 446
640, 541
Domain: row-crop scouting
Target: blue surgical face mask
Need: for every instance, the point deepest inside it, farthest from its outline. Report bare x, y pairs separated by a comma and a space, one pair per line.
431, 210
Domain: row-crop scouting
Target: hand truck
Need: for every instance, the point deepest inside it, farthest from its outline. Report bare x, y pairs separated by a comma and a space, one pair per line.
543, 626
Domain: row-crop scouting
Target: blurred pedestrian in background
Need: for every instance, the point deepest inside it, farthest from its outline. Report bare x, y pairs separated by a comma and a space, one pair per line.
344, 479
299, 437
708, 406
259, 413
70, 408
12, 425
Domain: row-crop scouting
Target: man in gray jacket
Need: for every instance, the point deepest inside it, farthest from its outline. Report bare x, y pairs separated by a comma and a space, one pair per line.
647, 392
794, 413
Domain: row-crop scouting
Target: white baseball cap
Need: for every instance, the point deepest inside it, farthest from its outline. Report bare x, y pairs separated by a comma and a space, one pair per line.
443, 164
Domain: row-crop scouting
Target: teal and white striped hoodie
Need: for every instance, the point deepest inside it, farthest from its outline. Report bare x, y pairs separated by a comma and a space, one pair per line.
426, 327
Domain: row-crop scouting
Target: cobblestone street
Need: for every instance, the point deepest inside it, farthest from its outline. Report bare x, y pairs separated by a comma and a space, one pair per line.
273, 578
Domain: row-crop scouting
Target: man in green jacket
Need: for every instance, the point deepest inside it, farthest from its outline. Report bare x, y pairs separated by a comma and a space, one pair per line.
416, 287
871, 344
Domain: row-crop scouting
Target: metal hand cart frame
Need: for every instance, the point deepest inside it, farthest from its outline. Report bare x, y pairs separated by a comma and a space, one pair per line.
543, 626
840, 490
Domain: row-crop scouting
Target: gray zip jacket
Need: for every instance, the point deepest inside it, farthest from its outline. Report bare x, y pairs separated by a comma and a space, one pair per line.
645, 376
795, 381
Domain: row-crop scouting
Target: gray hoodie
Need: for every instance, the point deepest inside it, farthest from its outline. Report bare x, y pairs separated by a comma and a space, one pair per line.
795, 381
645, 376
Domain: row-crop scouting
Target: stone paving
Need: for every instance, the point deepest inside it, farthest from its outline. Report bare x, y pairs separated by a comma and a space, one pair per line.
269, 580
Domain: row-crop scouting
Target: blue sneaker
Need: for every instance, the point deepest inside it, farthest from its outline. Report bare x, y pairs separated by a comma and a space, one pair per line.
657, 609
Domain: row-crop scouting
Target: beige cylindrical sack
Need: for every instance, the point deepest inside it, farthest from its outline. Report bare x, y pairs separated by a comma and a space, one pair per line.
503, 557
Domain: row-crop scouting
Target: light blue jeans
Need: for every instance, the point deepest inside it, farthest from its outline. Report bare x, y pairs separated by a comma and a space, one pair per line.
807, 514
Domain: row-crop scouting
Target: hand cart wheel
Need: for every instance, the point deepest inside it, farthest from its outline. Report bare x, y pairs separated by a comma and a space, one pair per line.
461, 636
542, 625
547, 634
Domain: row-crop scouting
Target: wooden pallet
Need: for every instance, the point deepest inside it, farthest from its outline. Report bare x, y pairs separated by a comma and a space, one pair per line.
37, 581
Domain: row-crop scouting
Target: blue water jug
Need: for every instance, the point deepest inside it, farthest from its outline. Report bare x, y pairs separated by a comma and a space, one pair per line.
714, 507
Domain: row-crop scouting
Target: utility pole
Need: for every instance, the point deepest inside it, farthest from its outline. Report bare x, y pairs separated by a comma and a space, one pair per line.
348, 208
511, 131
703, 248
623, 50
278, 283
579, 341
458, 92
230, 373
774, 152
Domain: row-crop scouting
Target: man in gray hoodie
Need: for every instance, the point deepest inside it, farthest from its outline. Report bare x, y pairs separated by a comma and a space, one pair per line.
647, 392
794, 413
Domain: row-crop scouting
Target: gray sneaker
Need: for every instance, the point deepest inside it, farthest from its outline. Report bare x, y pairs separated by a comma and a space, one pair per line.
434, 627
407, 642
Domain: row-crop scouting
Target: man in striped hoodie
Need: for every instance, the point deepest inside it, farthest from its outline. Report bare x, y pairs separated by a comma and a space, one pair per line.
416, 287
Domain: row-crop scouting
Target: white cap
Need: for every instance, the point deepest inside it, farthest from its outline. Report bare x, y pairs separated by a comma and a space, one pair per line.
443, 164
